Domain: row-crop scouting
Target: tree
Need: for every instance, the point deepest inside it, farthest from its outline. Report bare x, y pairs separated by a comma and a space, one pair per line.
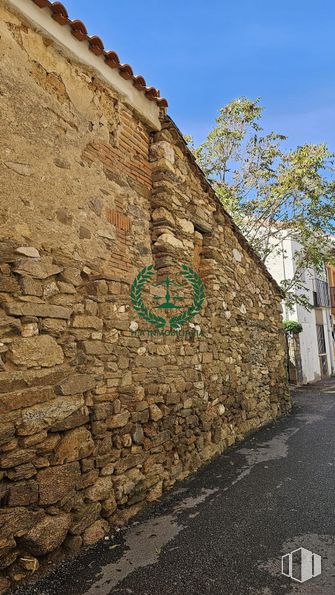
272, 193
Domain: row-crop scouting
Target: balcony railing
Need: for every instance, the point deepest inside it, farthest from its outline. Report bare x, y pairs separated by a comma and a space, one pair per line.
321, 294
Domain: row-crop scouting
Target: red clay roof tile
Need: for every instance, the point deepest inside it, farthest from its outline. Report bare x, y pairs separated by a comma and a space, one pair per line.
126, 72
59, 13
139, 82
42, 3
95, 44
78, 30
112, 59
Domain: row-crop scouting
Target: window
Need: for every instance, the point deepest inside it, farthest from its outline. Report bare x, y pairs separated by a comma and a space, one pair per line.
202, 234
198, 240
332, 296
320, 333
321, 294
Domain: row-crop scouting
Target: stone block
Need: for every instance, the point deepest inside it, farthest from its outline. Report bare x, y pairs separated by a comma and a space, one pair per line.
23, 493
16, 457
109, 506
73, 543
31, 286
155, 413
29, 251
77, 383
95, 532
101, 490
53, 326
23, 399
7, 431
75, 445
95, 347
17, 521
9, 559
71, 275
47, 535
168, 241
128, 462
84, 321
89, 478
118, 421
186, 225
66, 287
138, 434
6, 545
56, 482
162, 215
25, 471
36, 351
8, 284
77, 418
40, 310
46, 415
39, 268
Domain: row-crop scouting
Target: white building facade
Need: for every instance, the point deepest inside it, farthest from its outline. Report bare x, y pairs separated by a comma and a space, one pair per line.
316, 342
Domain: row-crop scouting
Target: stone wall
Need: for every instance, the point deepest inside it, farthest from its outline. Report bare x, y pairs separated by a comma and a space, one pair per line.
96, 420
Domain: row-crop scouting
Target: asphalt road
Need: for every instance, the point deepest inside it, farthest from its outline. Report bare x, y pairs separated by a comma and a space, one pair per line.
223, 531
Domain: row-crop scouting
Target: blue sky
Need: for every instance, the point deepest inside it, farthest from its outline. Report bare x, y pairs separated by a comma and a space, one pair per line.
203, 54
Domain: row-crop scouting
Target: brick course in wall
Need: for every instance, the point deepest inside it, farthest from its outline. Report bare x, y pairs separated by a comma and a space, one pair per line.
96, 420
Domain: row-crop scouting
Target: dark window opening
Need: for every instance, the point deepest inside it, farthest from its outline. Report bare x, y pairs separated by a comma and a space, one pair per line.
198, 244
320, 333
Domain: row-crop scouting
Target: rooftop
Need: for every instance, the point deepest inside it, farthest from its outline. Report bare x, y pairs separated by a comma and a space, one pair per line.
78, 29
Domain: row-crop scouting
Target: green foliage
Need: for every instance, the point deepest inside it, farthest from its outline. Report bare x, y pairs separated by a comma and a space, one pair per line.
295, 294
271, 192
292, 327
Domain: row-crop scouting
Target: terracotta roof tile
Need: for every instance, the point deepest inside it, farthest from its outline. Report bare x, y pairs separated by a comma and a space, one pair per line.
95, 44
112, 59
79, 30
59, 13
126, 72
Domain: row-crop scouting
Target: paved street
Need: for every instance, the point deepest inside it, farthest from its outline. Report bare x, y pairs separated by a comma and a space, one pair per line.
224, 530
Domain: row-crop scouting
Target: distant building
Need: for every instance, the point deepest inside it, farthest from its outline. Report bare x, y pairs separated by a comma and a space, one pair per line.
315, 342
331, 283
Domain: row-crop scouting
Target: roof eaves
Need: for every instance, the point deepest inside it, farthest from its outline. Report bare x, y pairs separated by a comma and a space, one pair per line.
59, 13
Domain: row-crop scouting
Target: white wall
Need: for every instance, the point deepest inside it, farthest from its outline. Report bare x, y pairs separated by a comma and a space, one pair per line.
309, 345
329, 340
282, 267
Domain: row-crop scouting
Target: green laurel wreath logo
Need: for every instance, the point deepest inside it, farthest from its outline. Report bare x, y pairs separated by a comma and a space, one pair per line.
136, 297
176, 321
198, 298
